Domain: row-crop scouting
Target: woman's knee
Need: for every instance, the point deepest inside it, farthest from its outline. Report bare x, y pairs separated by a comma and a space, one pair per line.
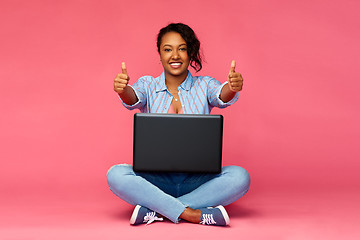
116, 173
241, 176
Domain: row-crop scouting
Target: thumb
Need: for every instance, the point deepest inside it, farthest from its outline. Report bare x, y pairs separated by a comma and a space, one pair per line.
232, 68
123, 67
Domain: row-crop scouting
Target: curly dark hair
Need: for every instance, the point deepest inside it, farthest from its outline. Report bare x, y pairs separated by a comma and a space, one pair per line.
192, 42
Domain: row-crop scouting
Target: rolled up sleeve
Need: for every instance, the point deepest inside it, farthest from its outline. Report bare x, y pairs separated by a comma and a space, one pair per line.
214, 91
139, 88
135, 105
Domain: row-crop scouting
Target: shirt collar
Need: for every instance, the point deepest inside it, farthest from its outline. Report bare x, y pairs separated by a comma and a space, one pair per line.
161, 86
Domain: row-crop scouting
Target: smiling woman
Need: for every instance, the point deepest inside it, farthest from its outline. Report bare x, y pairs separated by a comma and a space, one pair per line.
174, 56
189, 37
178, 196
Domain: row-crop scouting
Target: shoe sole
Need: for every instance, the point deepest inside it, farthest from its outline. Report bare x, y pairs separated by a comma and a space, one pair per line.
135, 214
224, 213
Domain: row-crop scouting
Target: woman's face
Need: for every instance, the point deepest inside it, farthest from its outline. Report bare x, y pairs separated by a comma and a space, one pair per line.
173, 54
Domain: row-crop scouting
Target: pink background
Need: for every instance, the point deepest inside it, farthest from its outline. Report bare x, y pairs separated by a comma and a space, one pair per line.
294, 128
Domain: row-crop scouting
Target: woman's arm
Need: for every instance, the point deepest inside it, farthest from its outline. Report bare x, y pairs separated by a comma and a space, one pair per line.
125, 92
226, 94
128, 96
235, 83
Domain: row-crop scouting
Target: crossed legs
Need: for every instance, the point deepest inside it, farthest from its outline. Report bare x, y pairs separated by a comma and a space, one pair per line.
191, 192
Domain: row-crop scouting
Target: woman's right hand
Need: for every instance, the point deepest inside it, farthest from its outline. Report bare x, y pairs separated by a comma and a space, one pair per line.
121, 80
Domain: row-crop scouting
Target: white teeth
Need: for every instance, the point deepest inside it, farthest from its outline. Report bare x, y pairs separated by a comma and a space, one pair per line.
175, 64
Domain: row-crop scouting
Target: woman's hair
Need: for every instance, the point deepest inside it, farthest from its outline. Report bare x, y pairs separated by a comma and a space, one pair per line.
192, 42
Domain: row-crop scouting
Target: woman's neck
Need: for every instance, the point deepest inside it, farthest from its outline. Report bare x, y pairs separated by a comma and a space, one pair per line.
173, 82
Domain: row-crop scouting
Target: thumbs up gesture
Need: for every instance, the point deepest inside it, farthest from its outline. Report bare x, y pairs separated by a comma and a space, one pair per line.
121, 80
235, 79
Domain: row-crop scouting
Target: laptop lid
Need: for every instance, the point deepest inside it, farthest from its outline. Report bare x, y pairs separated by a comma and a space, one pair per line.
177, 143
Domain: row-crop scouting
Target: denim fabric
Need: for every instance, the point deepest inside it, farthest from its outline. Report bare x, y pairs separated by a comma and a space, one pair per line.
169, 194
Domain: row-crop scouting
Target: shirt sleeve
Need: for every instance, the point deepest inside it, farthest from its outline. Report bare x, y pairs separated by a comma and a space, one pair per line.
139, 88
214, 90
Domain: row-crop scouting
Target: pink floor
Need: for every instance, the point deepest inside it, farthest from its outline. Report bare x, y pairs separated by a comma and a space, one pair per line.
278, 214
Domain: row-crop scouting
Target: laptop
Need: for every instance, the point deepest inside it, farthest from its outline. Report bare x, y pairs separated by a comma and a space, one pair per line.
178, 143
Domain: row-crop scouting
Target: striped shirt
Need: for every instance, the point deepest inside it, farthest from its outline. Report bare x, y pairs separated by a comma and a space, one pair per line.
198, 95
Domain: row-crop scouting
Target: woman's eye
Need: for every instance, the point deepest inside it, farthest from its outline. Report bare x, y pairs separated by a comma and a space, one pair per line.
167, 49
182, 49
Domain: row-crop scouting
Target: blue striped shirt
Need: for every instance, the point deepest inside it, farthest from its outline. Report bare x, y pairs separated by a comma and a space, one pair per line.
198, 95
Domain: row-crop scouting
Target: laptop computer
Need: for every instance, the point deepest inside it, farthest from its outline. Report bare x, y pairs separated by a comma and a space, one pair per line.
179, 143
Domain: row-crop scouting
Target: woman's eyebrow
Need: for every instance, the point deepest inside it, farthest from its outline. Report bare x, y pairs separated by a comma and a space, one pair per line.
169, 45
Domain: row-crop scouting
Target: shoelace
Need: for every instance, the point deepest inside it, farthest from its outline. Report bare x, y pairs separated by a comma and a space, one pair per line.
207, 219
151, 217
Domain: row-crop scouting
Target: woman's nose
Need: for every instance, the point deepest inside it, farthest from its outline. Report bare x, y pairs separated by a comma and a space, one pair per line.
175, 55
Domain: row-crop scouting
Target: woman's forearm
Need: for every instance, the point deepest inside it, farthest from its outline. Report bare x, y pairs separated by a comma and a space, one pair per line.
128, 96
226, 94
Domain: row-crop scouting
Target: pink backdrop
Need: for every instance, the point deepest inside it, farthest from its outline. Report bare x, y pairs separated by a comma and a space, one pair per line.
295, 125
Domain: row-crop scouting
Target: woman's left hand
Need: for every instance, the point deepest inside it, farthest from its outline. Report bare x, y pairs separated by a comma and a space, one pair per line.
235, 79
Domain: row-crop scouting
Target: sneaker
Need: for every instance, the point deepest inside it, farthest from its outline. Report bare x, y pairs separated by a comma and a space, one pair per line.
214, 216
143, 215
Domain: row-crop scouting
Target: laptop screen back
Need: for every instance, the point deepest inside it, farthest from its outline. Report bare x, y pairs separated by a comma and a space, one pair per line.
177, 143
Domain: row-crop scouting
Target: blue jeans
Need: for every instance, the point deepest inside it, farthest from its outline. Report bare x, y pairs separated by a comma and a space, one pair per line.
170, 193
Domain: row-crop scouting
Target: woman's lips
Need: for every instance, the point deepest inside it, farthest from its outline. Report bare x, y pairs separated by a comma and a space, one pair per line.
176, 65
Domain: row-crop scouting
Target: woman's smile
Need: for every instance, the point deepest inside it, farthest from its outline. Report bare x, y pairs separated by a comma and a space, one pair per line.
175, 65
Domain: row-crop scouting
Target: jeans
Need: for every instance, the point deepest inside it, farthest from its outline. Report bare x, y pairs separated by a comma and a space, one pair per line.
170, 193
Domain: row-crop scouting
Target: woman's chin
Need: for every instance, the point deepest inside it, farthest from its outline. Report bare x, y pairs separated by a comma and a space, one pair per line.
178, 72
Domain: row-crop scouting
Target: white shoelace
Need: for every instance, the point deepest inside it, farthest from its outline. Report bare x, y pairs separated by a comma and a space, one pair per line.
151, 217
207, 219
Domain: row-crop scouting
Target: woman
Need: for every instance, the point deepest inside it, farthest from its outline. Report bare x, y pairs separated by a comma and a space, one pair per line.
196, 198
